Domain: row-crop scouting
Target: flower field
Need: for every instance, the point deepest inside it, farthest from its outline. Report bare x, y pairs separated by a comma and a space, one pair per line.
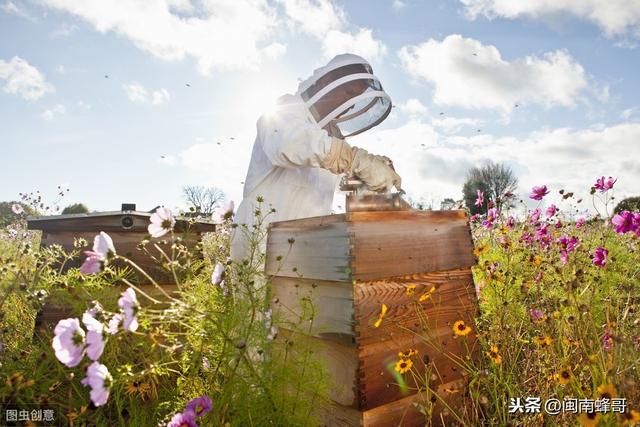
558, 327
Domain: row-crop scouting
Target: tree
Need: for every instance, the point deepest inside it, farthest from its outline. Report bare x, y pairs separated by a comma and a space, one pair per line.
495, 180
75, 209
204, 200
447, 204
628, 204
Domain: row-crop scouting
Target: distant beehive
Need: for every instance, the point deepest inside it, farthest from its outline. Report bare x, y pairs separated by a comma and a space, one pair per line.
127, 228
353, 263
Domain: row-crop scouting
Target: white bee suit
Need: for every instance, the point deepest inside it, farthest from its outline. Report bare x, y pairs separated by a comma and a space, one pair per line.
286, 170
296, 163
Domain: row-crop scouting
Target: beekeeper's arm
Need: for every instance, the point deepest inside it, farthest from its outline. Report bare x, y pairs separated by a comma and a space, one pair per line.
291, 141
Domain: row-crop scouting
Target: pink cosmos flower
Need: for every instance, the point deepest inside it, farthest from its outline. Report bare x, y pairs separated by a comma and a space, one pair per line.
558, 224
99, 379
607, 340
183, 419
474, 217
480, 198
538, 277
68, 342
103, 245
538, 193
511, 222
128, 302
536, 314
527, 238
224, 212
162, 221
624, 222
600, 256
200, 405
580, 222
492, 215
102, 249
551, 210
602, 185
95, 336
564, 257
535, 216
568, 243
92, 263
17, 208
542, 231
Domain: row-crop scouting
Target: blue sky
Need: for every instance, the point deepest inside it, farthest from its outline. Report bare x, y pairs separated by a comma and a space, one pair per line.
139, 135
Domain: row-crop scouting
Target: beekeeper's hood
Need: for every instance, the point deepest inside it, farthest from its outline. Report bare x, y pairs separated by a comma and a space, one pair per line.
350, 85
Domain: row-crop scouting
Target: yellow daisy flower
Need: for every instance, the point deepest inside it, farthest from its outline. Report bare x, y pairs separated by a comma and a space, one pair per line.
403, 365
543, 341
607, 391
138, 387
494, 355
589, 419
480, 250
408, 353
631, 418
383, 311
564, 376
460, 328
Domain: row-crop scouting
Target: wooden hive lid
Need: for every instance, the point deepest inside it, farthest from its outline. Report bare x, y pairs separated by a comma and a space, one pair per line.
370, 245
112, 221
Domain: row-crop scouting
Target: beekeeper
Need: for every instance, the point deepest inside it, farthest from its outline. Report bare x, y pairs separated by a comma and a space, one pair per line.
300, 150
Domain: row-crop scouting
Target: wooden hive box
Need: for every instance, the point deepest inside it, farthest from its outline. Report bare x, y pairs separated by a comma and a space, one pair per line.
350, 264
127, 228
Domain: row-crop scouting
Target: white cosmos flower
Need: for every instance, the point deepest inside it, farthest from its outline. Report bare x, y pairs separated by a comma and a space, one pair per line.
162, 221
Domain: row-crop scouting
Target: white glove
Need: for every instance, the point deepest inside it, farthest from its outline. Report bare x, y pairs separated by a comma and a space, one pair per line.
375, 171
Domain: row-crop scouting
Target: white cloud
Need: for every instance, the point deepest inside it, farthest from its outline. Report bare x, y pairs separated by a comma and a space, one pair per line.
274, 50
413, 107
453, 124
626, 114
12, 8
466, 73
23, 79
219, 35
159, 97
314, 17
53, 112
361, 43
399, 4
613, 17
433, 165
329, 24
64, 30
138, 94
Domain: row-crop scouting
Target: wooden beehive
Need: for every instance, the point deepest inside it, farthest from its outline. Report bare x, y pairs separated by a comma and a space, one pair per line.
350, 264
127, 228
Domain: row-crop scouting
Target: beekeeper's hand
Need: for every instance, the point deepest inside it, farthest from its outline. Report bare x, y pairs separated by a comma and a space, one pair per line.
375, 171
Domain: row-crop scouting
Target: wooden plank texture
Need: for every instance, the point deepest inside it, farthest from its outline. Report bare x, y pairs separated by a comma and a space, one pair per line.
446, 296
389, 244
112, 223
126, 243
340, 360
333, 302
319, 250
